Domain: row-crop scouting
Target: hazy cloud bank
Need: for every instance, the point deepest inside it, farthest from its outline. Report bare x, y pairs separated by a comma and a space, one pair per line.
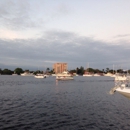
58, 46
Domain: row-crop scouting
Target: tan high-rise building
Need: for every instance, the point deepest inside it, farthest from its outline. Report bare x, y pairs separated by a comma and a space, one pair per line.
60, 67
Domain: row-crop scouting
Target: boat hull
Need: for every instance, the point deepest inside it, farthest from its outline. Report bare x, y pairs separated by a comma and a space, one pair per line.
27, 74
124, 91
64, 78
39, 77
120, 78
88, 75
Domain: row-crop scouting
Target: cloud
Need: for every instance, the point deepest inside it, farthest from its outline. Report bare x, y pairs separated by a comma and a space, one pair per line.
59, 46
15, 14
122, 36
24, 14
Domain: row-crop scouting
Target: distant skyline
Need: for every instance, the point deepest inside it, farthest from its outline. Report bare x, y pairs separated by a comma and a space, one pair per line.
36, 34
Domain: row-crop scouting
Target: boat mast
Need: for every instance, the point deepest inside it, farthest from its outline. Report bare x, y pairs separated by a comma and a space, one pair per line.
113, 69
88, 66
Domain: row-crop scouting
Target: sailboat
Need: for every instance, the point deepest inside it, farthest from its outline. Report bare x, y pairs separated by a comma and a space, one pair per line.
87, 73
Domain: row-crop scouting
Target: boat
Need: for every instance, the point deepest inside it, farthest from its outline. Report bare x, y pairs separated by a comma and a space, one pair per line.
46, 75
75, 74
109, 74
96, 74
53, 74
41, 75
124, 90
14, 74
64, 76
88, 74
27, 74
121, 77
122, 87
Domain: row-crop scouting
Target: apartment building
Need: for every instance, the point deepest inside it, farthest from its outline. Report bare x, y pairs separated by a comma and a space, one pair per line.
60, 67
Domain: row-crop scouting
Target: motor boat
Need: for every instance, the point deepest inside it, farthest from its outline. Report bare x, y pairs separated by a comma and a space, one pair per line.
120, 78
122, 86
40, 76
64, 76
124, 90
27, 74
88, 74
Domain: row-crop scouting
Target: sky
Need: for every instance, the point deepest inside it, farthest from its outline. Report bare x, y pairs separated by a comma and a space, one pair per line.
35, 34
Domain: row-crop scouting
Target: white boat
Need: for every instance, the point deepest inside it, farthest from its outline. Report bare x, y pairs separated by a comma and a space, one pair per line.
87, 75
27, 74
64, 76
75, 74
40, 76
46, 75
96, 75
124, 90
109, 74
53, 75
121, 78
14, 74
122, 86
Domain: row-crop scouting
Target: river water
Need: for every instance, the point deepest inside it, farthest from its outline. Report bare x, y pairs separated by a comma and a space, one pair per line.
27, 103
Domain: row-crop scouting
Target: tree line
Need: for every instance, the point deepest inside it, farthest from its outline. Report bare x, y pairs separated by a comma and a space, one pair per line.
79, 71
20, 70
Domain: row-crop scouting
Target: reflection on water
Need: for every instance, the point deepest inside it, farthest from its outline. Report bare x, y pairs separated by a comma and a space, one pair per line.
79, 104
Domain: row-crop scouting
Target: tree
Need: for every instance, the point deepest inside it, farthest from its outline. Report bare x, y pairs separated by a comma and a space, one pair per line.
119, 71
72, 71
1, 71
18, 71
47, 70
82, 70
107, 69
91, 70
6, 71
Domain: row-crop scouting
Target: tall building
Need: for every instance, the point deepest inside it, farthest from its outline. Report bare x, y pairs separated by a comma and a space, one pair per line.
60, 67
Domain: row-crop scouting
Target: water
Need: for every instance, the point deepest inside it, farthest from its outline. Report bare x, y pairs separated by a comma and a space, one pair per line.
84, 103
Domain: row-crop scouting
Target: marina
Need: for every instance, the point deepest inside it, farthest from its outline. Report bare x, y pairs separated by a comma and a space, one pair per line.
64, 65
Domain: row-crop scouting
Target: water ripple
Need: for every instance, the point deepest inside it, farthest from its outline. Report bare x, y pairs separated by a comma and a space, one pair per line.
29, 103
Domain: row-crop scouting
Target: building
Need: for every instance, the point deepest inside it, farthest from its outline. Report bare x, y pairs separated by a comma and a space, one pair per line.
60, 67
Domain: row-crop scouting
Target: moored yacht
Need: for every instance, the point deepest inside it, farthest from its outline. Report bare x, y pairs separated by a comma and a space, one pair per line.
14, 74
53, 74
109, 74
88, 74
64, 76
27, 74
122, 86
120, 77
97, 74
124, 90
40, 76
